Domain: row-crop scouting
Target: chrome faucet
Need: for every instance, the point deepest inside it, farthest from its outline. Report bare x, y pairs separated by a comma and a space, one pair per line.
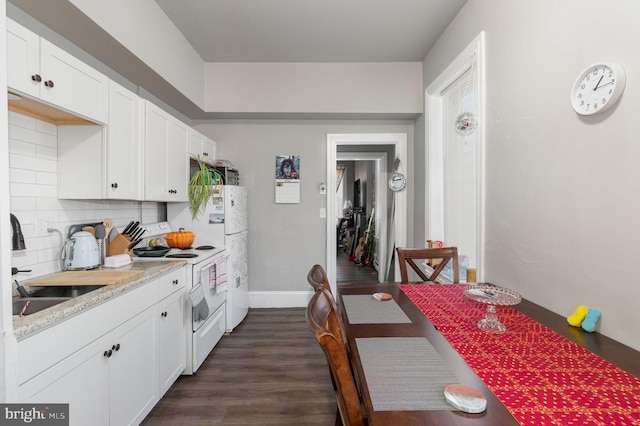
17, 239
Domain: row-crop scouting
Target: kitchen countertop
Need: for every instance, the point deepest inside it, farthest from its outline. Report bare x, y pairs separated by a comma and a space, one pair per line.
27, 325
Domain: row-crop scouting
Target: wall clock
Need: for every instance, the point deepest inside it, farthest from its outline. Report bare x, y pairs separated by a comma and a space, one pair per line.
397, 182
597, 88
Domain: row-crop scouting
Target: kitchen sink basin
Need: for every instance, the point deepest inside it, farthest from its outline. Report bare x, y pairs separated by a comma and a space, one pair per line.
46, 297
64, 291
36, 304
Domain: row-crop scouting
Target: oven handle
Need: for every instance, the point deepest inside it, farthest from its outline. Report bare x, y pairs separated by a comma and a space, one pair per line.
198, 272
207, 266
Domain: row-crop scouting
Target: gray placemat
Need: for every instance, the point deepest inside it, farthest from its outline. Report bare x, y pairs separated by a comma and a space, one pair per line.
364, 309
404, 373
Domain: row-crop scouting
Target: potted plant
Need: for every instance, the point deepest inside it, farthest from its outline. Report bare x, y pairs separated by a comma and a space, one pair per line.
203, 184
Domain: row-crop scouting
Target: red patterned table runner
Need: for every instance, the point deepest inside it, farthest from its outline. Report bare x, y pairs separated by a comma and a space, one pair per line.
541, 377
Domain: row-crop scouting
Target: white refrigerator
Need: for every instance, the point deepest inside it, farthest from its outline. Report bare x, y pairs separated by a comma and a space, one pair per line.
223, 223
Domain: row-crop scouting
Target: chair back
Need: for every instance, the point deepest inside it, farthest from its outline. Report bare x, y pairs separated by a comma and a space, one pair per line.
408, 256
318, 313
317, 277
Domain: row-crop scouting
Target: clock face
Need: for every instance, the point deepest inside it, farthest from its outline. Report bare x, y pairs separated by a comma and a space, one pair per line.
397, 182
597, 88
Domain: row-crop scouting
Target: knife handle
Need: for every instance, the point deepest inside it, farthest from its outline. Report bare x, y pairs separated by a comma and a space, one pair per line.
128, 227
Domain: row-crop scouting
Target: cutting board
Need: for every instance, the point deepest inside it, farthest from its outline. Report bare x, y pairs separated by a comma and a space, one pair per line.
85, 278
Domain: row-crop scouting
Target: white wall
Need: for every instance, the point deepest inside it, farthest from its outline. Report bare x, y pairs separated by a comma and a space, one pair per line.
562, 190
362, 88
143, 28
285, 240
33, 190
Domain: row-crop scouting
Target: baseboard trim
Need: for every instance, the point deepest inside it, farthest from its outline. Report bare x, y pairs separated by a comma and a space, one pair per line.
279, 299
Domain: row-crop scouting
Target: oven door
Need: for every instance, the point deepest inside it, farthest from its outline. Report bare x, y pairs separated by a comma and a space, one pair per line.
205, 275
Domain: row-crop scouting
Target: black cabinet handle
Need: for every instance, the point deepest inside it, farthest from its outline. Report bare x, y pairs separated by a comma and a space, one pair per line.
116, 347
107, 354
48, 83
114, 185
36, 78
164, 314
175, 282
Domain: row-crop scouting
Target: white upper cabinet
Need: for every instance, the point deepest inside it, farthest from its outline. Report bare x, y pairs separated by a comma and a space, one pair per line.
124, 144
23, 59
165, 153
37, 68
200, 145
104, 162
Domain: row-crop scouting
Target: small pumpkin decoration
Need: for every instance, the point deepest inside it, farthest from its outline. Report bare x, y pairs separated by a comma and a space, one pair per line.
181, 239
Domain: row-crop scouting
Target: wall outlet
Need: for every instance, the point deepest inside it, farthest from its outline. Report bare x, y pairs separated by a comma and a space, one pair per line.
43, 223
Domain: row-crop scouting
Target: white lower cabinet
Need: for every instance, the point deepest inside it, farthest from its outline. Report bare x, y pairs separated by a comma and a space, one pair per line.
82, 381
172, 340
118, 377
133, 371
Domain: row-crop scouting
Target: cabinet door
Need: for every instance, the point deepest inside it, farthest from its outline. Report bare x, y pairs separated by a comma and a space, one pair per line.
81, 380
133, 370
178, 164
124, 144
196, 141
209, 151
23, 59
156, 138
72, 84
172, 340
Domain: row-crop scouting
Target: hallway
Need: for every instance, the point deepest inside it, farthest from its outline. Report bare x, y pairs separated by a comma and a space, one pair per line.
348, 271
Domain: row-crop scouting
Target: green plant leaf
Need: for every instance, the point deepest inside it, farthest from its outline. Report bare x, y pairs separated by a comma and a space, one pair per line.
203, 184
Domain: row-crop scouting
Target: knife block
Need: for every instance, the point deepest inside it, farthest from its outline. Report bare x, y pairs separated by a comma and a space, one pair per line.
120, 245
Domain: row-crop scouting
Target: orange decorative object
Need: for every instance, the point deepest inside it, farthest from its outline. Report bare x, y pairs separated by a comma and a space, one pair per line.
181, 239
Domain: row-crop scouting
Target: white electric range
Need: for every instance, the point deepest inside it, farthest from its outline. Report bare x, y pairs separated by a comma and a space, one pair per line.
205, 317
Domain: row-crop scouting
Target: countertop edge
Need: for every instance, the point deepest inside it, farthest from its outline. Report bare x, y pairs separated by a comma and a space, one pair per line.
26, 326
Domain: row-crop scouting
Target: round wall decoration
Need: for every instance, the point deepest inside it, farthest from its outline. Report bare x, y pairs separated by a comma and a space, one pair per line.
597, 88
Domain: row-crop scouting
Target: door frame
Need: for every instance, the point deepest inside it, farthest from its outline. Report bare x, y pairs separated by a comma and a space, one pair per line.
434, 112
380, 216
399, 141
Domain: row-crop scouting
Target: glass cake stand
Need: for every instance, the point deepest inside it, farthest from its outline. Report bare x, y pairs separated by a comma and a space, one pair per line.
492, 296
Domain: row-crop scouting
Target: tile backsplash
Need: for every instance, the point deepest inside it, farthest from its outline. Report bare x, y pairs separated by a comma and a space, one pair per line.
33, 195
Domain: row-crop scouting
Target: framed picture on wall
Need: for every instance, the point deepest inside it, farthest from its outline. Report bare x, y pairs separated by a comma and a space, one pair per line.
287, 179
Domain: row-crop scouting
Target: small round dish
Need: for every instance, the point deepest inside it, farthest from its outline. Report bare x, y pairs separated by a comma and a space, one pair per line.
465, 398
382, 297
157, 251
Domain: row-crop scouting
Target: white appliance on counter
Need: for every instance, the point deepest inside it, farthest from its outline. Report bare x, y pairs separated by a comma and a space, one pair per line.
206, 266
223, 222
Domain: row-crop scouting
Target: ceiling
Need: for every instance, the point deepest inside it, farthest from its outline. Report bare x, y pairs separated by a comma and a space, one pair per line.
261, 31
311, 30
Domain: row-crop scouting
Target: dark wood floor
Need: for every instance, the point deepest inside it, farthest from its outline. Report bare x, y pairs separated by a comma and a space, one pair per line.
269, 371
348, 271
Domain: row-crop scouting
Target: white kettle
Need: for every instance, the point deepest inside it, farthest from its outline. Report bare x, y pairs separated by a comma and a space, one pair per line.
80, 252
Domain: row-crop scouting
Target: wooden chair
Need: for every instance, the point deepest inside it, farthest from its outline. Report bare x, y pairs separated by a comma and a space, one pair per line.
318, 314
317, 277
406, 256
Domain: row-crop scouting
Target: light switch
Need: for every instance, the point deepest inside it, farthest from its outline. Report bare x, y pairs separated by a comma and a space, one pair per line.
323, 213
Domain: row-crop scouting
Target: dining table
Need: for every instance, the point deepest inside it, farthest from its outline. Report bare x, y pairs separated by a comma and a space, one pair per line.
407, 349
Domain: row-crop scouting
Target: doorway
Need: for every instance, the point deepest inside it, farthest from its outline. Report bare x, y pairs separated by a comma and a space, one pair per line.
379, 205
396, 231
